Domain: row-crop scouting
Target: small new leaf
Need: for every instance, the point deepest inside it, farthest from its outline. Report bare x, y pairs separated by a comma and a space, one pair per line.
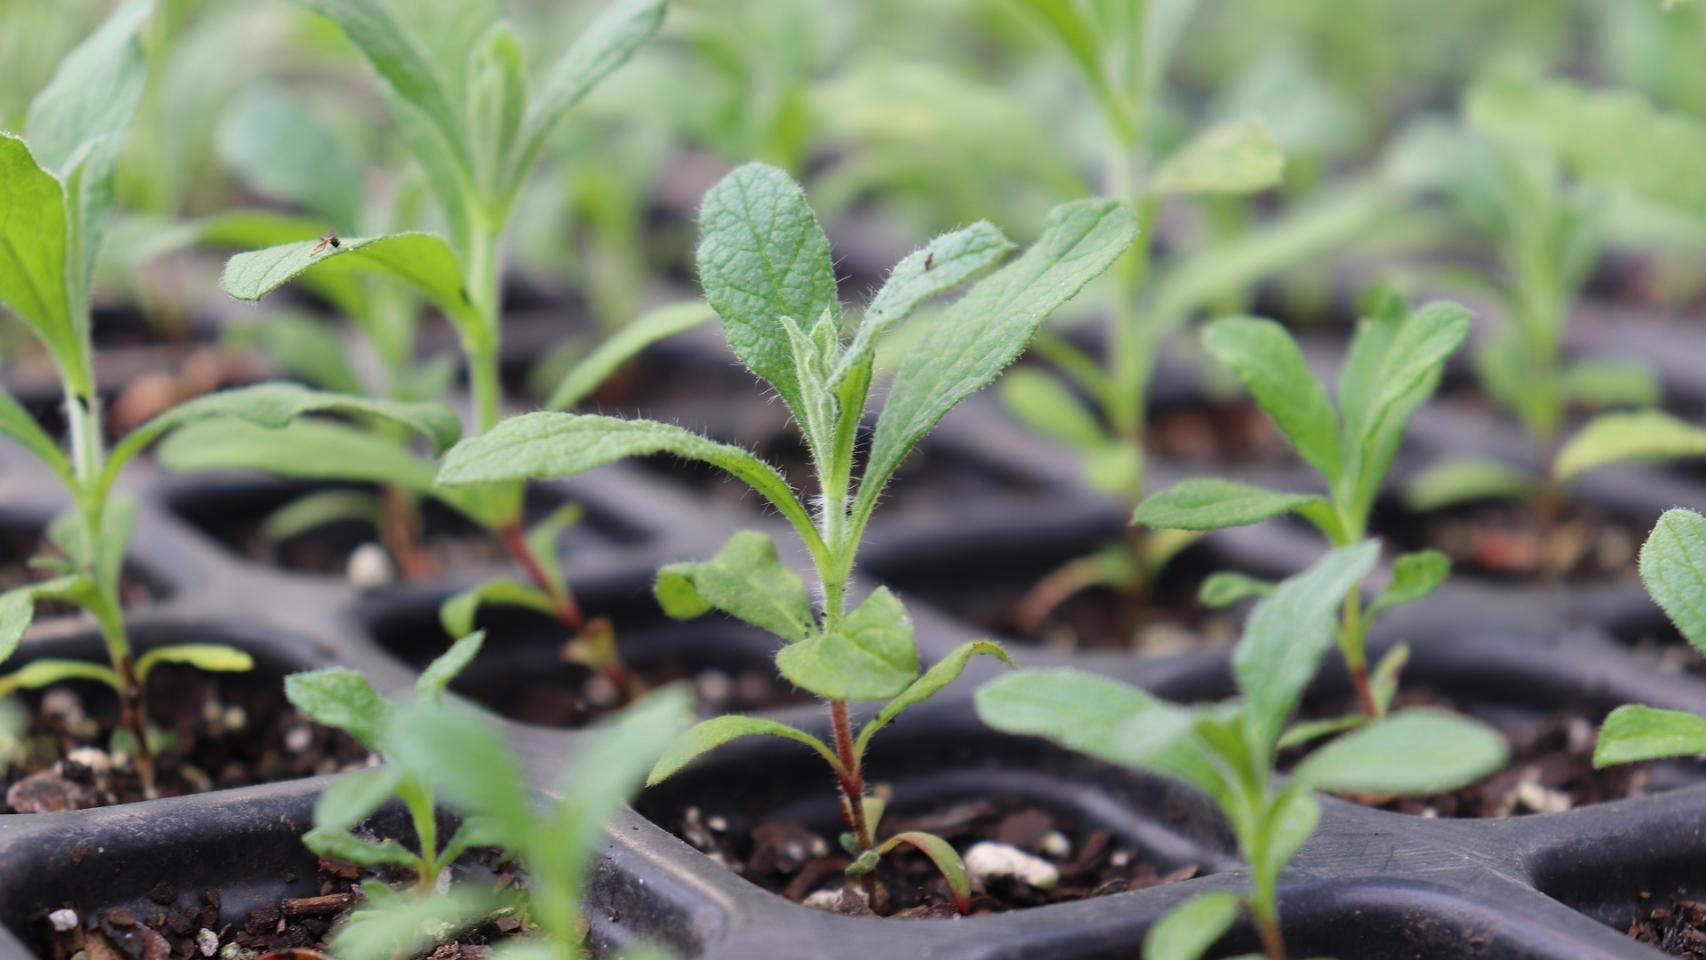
1411, 753
1234, 158
1673, 567
869, 656
1633, 733
745, 579
1210, 503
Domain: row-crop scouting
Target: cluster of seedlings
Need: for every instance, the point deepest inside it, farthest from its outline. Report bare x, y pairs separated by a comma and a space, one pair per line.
383, 443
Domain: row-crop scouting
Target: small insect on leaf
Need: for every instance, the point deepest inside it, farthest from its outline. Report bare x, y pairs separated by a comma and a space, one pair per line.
326, 240
929, 259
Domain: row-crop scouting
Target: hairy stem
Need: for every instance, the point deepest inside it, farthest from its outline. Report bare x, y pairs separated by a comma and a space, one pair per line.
852, 780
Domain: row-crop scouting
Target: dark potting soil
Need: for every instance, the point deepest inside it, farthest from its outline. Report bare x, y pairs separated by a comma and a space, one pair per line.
1550, 767
791, 860
1509, 541
221, 733
1232, 433
184, 923
578, 697
1677, 925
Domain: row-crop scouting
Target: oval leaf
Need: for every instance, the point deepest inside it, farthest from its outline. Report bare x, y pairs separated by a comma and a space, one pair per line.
1612, 437
745, 579
870, 656
1209, 503
1412, 753
1673, 566
1634, 733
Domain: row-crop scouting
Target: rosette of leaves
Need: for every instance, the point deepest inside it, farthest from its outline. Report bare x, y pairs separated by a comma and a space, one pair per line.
1229, 750
1393, 366
55, 190
766, 270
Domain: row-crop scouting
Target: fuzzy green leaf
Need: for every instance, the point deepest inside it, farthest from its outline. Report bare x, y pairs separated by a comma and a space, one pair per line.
1189, 929
1288, 633
762, 257
708, 735
1408, 375
468, 761
422, 261
745, 579
1292, 818
1041, 402
342, 698
1612, 437
1233, 158
411, 924
945, 262
983, 332
544, 445
1210, 503
624, 345
446, 666
1414, 576
458, 611
342, 806
1094, 715
1268, 361
1410, 753
1635, 732
1673, 567
944, 672
869, 656
212, 657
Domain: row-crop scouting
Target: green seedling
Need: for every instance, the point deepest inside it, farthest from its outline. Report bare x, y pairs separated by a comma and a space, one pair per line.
342, 698
1613, 140
1509, 179
1673, 566
55, 189
463, 759
765, 266
457, 88
1098, 406
1393, 366
1229, 751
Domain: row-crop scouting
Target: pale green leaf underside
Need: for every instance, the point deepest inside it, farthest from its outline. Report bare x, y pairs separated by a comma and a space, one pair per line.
1209, 503
870, 655
1410, 753
1673, 567
423, 261
1633, 733
1095, 715
710, 734
1613, 437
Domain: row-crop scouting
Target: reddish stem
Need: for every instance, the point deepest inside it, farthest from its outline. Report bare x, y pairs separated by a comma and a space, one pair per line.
1273, 944
1365, 691
515, 540
400, 531
133, 714
852, 781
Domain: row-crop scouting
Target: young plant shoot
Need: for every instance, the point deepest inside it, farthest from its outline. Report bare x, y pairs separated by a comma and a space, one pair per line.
1229, 751
1393, 366
54, 195
765, 266
1123, 50
1672, 563
1657, 152
458, 91
1512, 185
465, 760
342, 698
